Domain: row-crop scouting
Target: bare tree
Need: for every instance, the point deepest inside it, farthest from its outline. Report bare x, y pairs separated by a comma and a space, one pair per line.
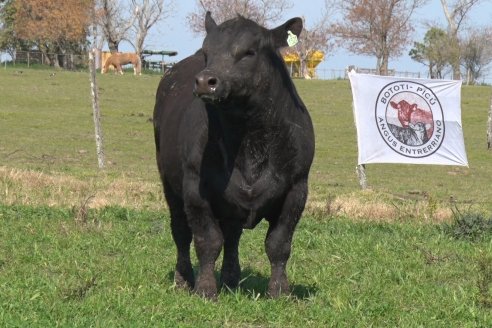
476, 53
114, 19
380, 28
147, 13
263, 12
455, 15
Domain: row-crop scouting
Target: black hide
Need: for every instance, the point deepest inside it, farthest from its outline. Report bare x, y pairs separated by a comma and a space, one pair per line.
234, 146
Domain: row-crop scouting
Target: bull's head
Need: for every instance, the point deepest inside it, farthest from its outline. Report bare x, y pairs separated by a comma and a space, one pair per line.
241, 58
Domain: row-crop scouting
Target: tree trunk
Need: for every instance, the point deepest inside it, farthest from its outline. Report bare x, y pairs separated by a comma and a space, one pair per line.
383, 70
378, 65
304, 70
45, 55
455, 58
113, 46
453, 39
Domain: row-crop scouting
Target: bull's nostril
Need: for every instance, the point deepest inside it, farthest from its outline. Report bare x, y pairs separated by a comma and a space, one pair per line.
212, 81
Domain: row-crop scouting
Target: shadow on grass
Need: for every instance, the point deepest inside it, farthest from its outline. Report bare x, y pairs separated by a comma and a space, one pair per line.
254, 285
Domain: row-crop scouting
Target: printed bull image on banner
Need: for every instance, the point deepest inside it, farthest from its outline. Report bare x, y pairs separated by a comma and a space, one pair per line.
402, 120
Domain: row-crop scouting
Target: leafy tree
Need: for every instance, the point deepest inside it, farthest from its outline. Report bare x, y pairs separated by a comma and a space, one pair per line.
432, 52
380, 28
55, 26
9, 42
7, 38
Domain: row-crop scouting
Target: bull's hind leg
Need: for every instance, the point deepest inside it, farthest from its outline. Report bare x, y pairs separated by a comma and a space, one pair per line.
182, 236
279, 238
231, 270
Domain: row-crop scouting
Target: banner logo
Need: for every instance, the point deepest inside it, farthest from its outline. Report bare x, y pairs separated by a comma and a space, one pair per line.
410, 119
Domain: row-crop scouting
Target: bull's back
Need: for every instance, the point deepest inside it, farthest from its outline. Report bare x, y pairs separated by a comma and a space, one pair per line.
173, 99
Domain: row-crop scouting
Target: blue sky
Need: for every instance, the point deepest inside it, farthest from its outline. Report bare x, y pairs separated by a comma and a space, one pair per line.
174, 34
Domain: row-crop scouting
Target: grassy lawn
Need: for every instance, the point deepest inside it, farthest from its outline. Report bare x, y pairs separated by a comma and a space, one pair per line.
361, 258
113, 267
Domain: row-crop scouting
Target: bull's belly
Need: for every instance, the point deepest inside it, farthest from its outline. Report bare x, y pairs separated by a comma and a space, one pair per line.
248, 217
248, 205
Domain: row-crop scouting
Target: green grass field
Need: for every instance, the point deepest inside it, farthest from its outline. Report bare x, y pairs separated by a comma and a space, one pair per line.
113, 268
48, 149
360, 258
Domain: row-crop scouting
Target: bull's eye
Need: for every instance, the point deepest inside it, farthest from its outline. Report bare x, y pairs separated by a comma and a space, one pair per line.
250, 53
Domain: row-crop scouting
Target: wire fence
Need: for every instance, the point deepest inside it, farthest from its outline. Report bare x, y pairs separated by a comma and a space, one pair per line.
80, 62
67, 61
31, 59
342, 74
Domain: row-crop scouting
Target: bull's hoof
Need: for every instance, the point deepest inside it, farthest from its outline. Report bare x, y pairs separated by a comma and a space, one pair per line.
206, 288
206, 293
184, 281
277, 289
230, 282
230, 277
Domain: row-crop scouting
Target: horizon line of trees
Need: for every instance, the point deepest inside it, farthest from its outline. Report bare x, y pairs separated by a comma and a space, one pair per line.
59, 27
382, 29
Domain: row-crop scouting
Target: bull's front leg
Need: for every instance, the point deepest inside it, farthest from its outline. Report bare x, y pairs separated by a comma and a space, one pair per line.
231, 270
207, 237
279, 238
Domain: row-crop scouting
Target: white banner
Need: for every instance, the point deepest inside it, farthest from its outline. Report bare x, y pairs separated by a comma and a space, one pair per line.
403, 120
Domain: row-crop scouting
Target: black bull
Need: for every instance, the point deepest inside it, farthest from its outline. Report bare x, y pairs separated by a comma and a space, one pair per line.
234, 146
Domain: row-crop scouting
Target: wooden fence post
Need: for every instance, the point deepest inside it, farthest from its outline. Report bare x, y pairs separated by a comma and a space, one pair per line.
95, 109
489, 125
360, 170
361, 173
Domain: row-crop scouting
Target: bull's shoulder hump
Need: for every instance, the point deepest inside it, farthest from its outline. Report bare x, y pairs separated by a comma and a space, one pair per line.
189, 66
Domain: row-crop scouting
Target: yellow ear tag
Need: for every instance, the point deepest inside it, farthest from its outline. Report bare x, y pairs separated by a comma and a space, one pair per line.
291, 38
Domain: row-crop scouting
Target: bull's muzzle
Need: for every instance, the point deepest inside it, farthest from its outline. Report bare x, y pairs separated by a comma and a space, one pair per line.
206, 84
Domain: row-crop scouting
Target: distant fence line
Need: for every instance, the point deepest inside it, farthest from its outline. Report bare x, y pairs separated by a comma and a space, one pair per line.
67, 61
342, 74
79, 61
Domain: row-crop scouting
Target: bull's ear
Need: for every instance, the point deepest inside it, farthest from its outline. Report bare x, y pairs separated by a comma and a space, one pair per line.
210, 24
280, 34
